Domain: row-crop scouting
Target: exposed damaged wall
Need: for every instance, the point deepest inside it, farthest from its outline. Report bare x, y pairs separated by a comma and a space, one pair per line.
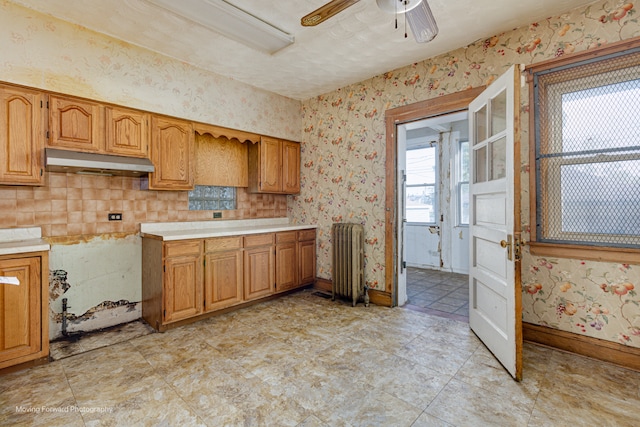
101, 279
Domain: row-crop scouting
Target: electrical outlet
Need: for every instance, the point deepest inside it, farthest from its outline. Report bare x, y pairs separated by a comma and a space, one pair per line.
115, 217
217, 214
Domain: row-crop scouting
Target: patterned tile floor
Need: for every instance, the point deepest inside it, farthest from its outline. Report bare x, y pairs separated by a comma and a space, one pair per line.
438, 292
303, 360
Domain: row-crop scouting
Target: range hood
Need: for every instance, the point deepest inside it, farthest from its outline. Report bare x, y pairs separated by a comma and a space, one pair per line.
95, 164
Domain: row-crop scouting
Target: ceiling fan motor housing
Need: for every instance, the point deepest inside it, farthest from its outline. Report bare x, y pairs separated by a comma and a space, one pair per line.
397, 6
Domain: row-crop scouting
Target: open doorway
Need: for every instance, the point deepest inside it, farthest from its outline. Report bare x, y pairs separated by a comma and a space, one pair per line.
435, 175
395, 267
436, 206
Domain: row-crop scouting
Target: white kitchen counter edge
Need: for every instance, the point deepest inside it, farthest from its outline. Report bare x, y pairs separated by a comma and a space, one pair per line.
22, 240
207, 229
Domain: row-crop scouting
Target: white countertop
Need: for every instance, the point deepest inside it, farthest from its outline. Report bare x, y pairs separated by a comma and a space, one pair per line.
205, 229
22, 240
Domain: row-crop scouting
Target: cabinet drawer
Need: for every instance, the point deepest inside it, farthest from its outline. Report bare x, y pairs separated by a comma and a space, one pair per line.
254, 240
182, 248
286, 236
307, 234
223, 243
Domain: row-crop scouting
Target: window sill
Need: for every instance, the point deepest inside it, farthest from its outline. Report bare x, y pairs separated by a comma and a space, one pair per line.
583, 252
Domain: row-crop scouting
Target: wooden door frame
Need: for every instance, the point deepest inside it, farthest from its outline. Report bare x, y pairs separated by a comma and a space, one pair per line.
446, 104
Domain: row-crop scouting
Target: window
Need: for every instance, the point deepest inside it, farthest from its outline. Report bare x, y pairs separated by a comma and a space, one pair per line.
421, 196
462, 185
587, 151
212, 198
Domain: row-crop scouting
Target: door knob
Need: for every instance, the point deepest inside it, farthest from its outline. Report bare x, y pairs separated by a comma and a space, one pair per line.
509, 245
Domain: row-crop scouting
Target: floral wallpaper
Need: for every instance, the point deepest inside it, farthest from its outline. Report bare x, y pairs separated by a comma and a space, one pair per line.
343, 171
43, 52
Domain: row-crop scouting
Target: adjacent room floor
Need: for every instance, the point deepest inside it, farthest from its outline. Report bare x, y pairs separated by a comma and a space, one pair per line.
438, 292
303, 360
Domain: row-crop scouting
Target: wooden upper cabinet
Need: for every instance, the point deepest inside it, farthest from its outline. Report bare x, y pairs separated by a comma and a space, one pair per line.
127, 132
22, 136
172, 152
274, 166
290, 167
75, 124
270, 165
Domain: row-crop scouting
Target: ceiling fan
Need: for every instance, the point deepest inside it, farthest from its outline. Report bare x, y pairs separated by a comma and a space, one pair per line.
416, 12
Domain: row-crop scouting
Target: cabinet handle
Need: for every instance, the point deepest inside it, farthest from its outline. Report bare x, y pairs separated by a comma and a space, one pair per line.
9, 280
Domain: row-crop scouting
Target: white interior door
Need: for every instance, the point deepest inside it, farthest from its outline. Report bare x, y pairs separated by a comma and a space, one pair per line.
494, 288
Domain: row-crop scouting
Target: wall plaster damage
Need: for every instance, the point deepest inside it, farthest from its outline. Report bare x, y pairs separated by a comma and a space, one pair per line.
101, 281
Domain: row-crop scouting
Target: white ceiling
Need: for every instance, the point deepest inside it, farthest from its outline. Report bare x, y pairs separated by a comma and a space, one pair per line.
356, 44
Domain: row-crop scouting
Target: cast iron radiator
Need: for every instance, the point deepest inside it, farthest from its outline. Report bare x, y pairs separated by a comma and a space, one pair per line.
348, 262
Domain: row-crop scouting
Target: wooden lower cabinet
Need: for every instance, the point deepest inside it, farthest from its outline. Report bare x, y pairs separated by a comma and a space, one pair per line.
286, 261
223, 273
24, 325
183, 283
187, 279
259, 266
306, 257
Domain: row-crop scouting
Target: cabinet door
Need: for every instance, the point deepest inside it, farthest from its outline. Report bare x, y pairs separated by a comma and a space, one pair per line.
21, 139
307, 261
270, 165
182, 285
258, 272
172, 147
290, 167
75, 124
286, 266
127, 132
222, 279
20, 314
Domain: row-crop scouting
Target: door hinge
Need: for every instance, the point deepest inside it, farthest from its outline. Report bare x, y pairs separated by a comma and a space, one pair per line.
164, 268
47, 134
441, 217
164, 313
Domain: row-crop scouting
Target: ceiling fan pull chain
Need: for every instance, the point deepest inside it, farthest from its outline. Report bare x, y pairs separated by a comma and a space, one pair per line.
396, 15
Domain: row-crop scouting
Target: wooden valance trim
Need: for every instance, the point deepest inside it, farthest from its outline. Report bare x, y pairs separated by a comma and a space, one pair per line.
219, 132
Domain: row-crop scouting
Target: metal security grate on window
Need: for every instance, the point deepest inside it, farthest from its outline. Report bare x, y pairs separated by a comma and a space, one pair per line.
588, 152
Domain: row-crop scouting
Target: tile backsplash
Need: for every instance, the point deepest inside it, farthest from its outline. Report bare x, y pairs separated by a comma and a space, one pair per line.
71, 205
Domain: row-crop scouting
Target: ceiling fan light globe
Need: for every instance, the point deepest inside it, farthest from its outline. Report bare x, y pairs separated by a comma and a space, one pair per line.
422, 23
398, 6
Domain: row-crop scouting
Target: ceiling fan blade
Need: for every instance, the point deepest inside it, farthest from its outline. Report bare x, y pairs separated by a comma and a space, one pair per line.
325, 12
